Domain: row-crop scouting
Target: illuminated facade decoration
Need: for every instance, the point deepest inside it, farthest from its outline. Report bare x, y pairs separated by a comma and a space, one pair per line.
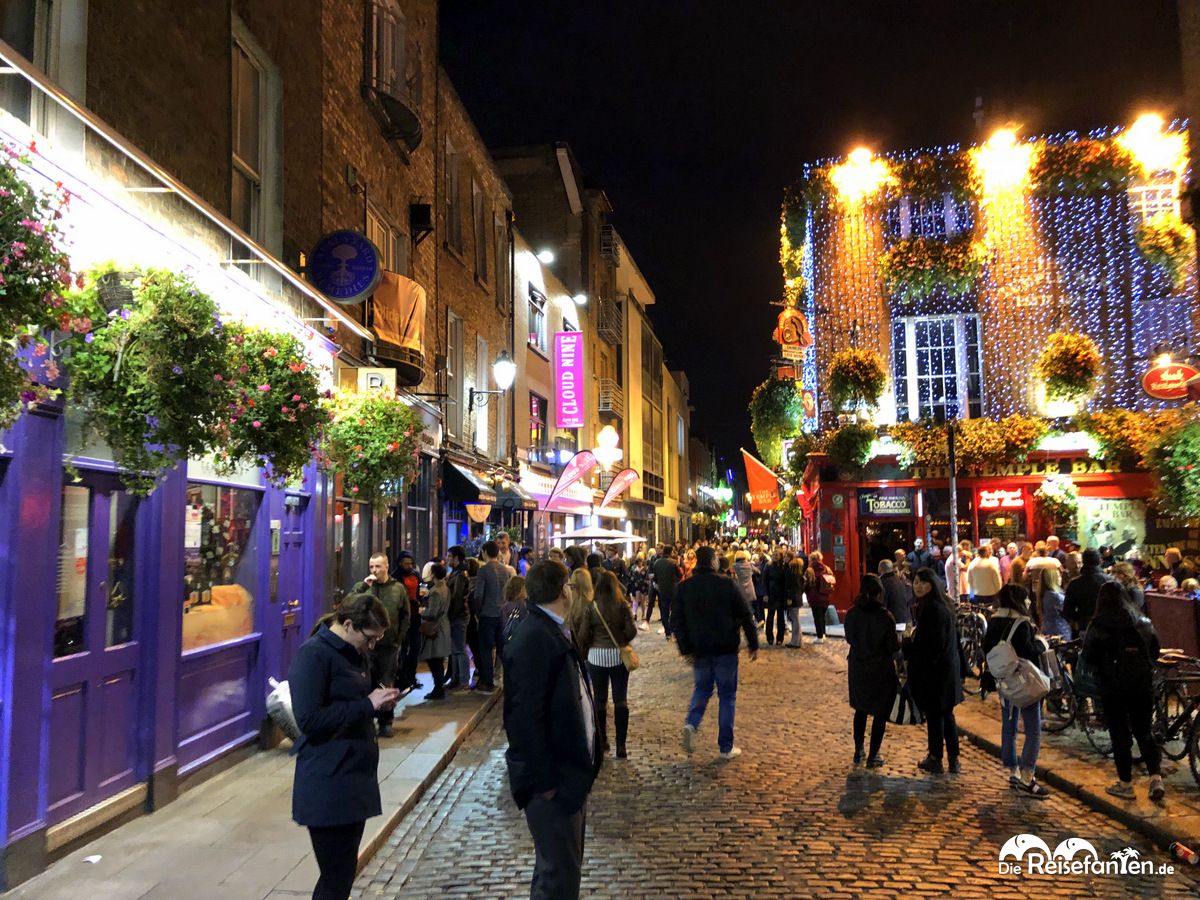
1055, 220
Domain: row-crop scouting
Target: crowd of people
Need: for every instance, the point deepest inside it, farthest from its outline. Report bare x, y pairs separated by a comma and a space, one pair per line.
559, 631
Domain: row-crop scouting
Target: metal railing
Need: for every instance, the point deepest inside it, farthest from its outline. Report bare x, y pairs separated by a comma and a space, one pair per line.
612, 397
609, 325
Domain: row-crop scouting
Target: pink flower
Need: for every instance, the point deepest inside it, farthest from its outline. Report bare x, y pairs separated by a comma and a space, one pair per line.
218, 378
256, 423
295, 397
270, 353
264, 387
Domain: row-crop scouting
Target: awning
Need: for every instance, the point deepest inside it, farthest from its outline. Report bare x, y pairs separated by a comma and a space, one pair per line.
466, 485
512, 496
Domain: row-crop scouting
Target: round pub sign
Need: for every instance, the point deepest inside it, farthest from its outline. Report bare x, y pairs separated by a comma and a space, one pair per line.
1169, 382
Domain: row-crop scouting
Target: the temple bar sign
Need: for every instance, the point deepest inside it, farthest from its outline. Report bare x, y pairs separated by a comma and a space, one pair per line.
886, 502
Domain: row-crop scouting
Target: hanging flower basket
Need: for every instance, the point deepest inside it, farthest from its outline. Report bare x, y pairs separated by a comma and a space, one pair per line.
917, 268
1057, 500
274, 412
849, 448
775, 408
1175, 458
856, 376
34, 273
372, 441
150, 376
1168, 244
1069, 366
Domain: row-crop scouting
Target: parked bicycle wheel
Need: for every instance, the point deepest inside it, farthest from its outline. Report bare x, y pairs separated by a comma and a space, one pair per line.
1171, 726
1194, 751
971, 630
1060, 707
1095, 725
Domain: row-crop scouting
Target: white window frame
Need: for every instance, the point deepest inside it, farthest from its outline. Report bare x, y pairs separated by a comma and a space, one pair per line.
962, 369
480, 229
1148, 199
950, 217
503, 278
481, 384
455, 382
538, 325
267, 224
389, 239
389, 36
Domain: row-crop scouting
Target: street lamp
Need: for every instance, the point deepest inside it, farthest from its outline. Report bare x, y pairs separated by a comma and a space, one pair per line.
504, 371
545, 257
580, 299
607, 452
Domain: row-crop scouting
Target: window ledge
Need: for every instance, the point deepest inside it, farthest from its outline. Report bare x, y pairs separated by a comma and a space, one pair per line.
456, 252
482, 282
539, 351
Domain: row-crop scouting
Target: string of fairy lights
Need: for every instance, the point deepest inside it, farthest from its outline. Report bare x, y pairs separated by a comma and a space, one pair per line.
1062, 259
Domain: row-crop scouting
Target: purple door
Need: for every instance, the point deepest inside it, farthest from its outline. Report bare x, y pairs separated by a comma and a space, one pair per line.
293, 579
93, 679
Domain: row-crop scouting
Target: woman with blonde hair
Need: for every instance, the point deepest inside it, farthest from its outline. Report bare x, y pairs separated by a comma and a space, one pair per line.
689, 563
1053, 599
1123, 573
602, 627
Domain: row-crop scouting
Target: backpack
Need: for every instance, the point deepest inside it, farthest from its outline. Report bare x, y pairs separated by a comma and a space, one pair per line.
1018, 680
1134, 668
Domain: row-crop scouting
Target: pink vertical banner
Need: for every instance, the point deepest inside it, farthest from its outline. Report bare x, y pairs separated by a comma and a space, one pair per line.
622, 480
569, 389
580, 464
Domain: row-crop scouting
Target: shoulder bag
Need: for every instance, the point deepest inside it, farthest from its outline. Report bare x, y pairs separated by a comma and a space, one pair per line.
904, 709
629, 657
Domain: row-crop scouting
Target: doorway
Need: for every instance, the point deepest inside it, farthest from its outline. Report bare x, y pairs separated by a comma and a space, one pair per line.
94, 679
293, 575
879, 539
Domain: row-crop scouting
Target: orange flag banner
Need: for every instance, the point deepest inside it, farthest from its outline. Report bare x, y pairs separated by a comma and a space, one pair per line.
764, 484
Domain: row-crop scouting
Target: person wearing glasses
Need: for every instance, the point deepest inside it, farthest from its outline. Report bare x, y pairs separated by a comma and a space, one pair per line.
336, 787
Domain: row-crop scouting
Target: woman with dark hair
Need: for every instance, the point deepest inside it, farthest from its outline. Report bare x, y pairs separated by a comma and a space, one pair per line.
819, 592
1011, 622
336, 786
580, 584
871, 634
794, 599
1122, 645
933, 670
435, 631
601, 629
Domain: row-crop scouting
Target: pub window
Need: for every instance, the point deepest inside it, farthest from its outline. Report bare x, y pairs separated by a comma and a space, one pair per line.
538, 435
454, 198
386, 63
938, 372
503, 281
388, 239
1153, 198
220, 564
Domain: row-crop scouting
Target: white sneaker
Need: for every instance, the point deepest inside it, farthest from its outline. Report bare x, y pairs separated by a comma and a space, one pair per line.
661, 630
1122, 789
818, 640
734, 753
642, 626
689, 738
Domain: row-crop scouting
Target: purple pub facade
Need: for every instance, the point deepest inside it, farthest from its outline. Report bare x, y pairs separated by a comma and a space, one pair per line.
139, 633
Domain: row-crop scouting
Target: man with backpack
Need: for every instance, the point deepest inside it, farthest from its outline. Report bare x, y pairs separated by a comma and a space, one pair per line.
1009, 641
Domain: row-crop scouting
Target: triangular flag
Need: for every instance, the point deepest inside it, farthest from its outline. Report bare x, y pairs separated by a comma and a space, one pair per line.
764, 484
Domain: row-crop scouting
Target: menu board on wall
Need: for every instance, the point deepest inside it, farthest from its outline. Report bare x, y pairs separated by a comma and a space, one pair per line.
1163, 531
1115, 522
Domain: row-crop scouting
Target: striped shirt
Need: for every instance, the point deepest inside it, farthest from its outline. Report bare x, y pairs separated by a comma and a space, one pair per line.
604, 657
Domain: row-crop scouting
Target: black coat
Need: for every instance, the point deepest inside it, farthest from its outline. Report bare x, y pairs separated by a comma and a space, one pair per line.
1123, 633
932, 654
871, 634
897, 595
337, 758
548, 748
1081, 595
775, 583
666, 576
707, 613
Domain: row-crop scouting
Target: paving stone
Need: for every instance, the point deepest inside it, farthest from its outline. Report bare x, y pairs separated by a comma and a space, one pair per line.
790, 818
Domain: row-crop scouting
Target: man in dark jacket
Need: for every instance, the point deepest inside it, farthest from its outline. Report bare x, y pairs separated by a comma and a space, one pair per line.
666, 577
1080, 602
896, 593
385, 658
708, 612
459, 585
918, 557
550, 718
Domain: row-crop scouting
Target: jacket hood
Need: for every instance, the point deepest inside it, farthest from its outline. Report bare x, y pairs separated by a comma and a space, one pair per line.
1117, 618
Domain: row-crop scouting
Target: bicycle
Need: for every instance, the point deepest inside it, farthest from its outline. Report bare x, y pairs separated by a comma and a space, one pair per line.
1061, 706
971, 621
1176, 701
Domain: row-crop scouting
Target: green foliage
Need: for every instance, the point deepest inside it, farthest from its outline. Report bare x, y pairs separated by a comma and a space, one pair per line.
1166, 242
775, 408
849, 447
930, 177
1081, 167
151, 378
1057, 500
1175, 458
788, 512
373, 443
978, 442
1069, 365
34, 272
916, 268
274, 412
856, 376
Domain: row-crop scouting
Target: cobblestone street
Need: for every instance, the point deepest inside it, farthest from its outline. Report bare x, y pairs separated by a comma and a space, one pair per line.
790, 818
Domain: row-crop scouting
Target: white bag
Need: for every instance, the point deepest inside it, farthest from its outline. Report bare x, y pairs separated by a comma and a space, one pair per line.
1002, 659
1026, 686
279, 708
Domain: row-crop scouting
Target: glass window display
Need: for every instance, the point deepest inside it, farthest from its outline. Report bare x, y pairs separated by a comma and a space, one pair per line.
220, 550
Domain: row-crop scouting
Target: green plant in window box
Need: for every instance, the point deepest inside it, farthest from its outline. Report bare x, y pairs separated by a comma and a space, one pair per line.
788, 513
775, 408
1081, 167
150, 376
274, 411
373, 442
1174, 457
1069, 366
915, 268
849, 448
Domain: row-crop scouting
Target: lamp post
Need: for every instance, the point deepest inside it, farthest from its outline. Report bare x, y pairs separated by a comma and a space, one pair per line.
504, 371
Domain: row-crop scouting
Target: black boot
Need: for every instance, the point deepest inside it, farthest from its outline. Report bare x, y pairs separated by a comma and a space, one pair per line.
621, 715
858, 755
602, 718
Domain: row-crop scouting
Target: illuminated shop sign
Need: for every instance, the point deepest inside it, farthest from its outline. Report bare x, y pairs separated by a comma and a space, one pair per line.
886, 502
568, 379
1169, 382
1002, 498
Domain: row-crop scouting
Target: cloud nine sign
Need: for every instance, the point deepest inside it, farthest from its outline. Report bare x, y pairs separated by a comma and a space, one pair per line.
1028, 855
569, 389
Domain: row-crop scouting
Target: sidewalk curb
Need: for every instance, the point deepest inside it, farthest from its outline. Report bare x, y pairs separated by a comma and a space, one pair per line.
397, 816
1160, 836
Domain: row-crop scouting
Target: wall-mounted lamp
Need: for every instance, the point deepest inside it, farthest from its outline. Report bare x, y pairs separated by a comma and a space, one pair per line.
504, 371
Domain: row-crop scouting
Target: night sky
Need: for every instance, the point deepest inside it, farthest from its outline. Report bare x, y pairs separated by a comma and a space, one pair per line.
693, 117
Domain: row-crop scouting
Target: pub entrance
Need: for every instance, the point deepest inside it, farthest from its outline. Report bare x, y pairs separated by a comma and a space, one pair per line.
881, 538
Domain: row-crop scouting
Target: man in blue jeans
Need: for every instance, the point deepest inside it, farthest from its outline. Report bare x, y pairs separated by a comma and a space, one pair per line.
707, 614
489, 597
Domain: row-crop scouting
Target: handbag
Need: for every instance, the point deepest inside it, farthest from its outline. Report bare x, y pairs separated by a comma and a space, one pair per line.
904, 708
1086, 679
1026, 685
429, 628
629, 657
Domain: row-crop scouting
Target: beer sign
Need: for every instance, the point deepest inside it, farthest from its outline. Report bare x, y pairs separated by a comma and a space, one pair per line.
1169, 382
